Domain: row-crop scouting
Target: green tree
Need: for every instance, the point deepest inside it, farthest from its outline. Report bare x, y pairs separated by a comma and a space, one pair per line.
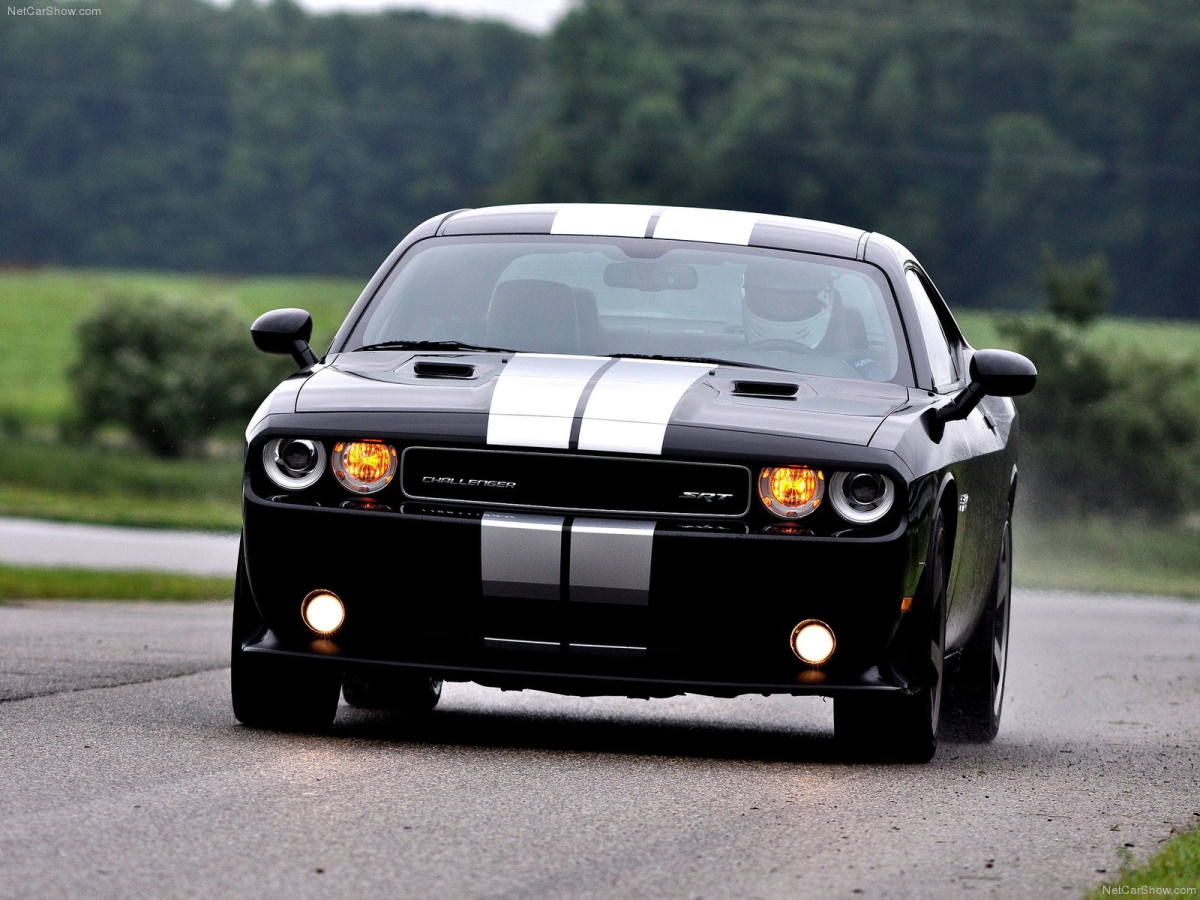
282, 164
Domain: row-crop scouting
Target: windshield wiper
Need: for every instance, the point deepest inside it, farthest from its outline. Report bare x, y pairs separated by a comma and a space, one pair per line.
708, 360
459, 345
431, 345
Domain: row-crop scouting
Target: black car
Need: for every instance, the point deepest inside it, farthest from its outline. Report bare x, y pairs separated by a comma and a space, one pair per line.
633, 450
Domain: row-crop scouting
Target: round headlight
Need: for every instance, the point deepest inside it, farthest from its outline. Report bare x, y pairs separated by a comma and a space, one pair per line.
294, 463
364, 466
861, 497
791, 492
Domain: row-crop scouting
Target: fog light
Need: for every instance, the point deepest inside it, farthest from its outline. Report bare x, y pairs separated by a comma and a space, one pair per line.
323, 612
813, 642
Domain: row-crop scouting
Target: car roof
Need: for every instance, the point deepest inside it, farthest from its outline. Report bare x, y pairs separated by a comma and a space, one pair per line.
664, 222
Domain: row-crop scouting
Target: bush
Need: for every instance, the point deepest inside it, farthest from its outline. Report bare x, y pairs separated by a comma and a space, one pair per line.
1107, 432
170, 372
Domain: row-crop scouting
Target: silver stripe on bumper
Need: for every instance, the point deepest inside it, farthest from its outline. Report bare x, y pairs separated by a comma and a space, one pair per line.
521, 555
610, 561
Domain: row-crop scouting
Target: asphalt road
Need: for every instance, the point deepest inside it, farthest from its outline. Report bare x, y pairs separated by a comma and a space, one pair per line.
32, 542
125, 775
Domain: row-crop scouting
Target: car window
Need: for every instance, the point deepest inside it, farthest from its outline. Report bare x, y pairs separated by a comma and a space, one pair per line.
941, 356
630, 296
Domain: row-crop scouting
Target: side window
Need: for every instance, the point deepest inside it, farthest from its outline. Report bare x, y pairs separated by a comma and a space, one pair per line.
941, 357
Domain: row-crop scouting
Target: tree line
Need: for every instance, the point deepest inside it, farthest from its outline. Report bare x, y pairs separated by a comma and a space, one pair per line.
184, 135
177, 134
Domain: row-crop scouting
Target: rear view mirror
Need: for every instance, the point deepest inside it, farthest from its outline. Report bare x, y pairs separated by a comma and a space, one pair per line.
650, 275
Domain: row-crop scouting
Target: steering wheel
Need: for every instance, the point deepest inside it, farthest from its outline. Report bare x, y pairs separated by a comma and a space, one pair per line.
781, 344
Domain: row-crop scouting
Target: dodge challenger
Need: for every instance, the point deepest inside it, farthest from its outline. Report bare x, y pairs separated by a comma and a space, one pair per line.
638, 451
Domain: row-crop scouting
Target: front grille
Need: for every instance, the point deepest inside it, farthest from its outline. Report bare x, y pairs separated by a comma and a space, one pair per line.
555, 481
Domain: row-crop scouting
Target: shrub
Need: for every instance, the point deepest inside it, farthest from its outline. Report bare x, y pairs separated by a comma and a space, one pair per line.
169, 371
1108, 432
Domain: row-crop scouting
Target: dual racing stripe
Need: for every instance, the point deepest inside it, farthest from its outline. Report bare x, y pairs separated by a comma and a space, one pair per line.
583, 560
587, 403
558, 401
536, 399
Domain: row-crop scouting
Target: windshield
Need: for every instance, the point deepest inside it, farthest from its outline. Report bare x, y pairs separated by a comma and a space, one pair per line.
633, 297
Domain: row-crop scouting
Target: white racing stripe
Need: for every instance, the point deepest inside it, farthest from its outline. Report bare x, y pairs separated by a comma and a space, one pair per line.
603, 220
535, 398
713, 226
631, 405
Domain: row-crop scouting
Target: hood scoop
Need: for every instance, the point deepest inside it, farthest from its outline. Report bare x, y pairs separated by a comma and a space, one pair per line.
427, 369
774, 390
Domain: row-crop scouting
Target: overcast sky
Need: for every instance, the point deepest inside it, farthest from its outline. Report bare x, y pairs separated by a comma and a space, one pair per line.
533, 15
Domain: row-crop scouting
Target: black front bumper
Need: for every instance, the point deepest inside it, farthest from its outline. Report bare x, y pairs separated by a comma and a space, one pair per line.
417, 593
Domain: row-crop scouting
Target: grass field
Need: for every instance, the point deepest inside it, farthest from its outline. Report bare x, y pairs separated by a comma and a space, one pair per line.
17, 583
39, 309
1176, 340
1107, 557
116, 486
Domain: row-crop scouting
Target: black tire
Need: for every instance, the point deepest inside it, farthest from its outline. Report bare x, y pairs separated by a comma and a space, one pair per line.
975, 696
275, 692
413, 693
895, 726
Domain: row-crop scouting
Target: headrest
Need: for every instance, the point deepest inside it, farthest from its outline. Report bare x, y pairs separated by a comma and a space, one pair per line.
526, 314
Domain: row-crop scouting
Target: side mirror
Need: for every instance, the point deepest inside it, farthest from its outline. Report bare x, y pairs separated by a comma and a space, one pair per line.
285, 331
1002, 373
999, 373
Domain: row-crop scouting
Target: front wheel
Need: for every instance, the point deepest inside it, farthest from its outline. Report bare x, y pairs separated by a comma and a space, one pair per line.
976, 696
276, 692
895, 726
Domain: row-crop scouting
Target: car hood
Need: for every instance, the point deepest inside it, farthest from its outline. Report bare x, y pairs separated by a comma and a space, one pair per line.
533, 399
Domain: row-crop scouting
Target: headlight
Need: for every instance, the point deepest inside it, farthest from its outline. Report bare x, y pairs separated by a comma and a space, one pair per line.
294, 463
861, 497
364, 466
791, 492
